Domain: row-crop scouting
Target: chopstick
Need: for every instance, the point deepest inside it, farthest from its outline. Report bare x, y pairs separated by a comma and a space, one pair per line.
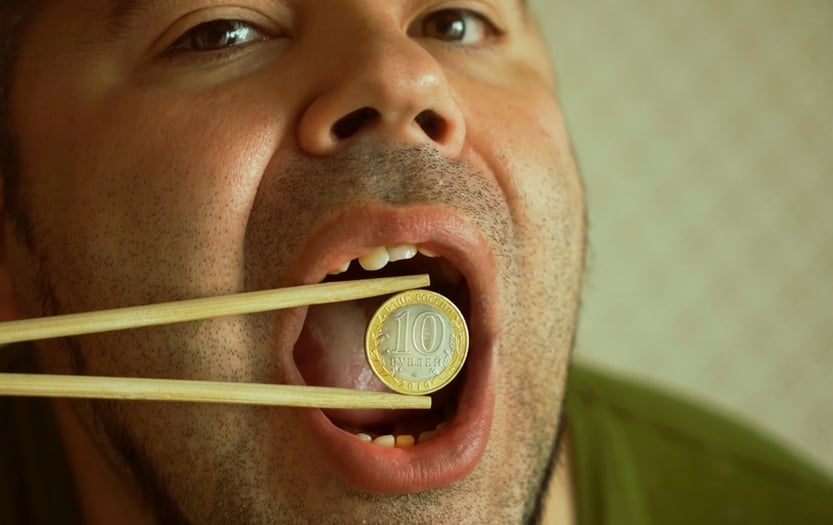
94, 387
194, 309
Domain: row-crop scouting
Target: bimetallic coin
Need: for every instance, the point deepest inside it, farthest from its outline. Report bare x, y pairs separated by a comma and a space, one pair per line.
417, 342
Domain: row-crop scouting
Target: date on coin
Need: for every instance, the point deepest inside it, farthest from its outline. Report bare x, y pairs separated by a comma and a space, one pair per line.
416, 342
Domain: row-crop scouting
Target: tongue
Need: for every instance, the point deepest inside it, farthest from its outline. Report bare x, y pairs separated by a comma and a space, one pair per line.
330, 350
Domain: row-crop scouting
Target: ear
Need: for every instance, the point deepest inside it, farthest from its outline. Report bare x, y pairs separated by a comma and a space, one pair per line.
8, 305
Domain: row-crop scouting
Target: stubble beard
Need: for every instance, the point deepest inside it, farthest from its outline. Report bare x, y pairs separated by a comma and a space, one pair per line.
130, 456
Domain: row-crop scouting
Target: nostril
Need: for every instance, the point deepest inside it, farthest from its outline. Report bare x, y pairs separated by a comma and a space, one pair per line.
432, 124
349, 124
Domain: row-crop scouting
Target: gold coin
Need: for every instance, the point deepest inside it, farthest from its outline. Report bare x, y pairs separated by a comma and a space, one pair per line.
417, 342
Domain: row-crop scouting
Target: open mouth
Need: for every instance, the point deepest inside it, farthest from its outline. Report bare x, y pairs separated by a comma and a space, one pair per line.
396, 451
330, 349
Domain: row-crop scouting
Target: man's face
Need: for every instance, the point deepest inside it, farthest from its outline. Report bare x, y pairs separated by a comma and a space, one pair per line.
193, 148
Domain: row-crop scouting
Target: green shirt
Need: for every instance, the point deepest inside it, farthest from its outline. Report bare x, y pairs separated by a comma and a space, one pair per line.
644, 457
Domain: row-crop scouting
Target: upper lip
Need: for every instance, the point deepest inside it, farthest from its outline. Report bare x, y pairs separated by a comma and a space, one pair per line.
456, 452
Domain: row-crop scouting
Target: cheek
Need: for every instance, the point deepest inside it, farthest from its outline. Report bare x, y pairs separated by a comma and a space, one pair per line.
522, 137
153, 188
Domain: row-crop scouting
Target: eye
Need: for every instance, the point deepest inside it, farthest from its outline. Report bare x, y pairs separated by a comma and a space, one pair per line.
459, 26
217, 35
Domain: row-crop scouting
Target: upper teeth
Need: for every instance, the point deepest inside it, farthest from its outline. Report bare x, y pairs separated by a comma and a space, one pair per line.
379, 257
400, 253
375, 259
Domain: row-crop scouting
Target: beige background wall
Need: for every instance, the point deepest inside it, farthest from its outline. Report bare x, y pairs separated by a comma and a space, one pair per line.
705, 134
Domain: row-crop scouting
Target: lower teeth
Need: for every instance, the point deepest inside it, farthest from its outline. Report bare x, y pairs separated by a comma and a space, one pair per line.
403, 435
387, 441
402, 440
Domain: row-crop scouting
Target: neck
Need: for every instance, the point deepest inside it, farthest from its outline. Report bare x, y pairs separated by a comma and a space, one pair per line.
559, 504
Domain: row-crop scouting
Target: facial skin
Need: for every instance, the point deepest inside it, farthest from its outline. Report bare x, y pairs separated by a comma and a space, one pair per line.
151, 171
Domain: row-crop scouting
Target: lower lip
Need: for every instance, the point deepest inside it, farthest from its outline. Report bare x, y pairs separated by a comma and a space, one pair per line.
447, 458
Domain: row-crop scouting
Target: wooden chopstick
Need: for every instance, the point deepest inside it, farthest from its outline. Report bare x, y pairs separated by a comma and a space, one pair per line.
94, 387
194, 309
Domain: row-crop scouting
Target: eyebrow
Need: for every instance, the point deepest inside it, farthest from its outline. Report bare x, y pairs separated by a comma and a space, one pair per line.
120, 8
122, 11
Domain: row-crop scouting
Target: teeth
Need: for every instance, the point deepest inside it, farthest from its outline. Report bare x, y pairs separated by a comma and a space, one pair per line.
402, 440
400, 253
427, 435
379, 257
387, 441
376, 259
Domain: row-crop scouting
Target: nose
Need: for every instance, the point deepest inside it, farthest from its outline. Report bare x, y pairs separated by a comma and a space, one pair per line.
389, 89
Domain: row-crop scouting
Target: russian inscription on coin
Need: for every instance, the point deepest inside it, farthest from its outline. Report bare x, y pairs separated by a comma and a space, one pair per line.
417, 342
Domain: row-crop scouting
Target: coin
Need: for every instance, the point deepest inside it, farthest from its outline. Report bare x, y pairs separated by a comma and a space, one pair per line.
417, 342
